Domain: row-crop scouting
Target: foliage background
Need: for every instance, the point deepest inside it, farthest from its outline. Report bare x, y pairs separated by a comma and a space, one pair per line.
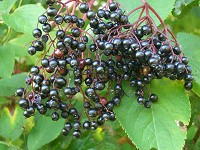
17, 20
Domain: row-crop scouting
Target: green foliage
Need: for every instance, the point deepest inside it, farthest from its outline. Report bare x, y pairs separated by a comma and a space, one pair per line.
196, 88
18, 45
7, 146
191, 47
183, 25
7, 59
112, 138
6, 5
163, 7
150, 128
181, 5
24, 18
9, 86
10, 123
44, 132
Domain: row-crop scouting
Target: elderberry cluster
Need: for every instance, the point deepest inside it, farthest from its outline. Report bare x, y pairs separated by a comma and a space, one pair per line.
94, 62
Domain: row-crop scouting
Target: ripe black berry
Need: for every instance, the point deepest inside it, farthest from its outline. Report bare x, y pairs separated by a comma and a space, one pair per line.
80, 23
93, 125
31, 50
113, 6
91, 14
75, 32
84, 7
24, 103
58, 19
188, 85
55, 116
153, 98
76, 134
100, 13
42, 19
35, 70
141, 100
65, 132
37, 33
38, 45
67, 18
51, 12
147, 104
86, 125
146, 30
46, 27
50, 2
74, 18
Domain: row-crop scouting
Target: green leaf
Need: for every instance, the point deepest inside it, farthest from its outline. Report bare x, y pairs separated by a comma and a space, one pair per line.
191, 132
7, 60
61, 142
183, 25
3, 30
195, 104
9, 86
150, 128
8, 146
181, 4
196, 88
24, 19
20, 45
4, 101
163, 8
6, 5
10, 123
44, 132
190, 45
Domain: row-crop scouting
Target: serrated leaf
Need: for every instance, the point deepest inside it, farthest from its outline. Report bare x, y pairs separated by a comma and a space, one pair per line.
10, 85
6, 5
190, 45
24, 18
44, 132
163, 8
150, 128
11, 122
7, 60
